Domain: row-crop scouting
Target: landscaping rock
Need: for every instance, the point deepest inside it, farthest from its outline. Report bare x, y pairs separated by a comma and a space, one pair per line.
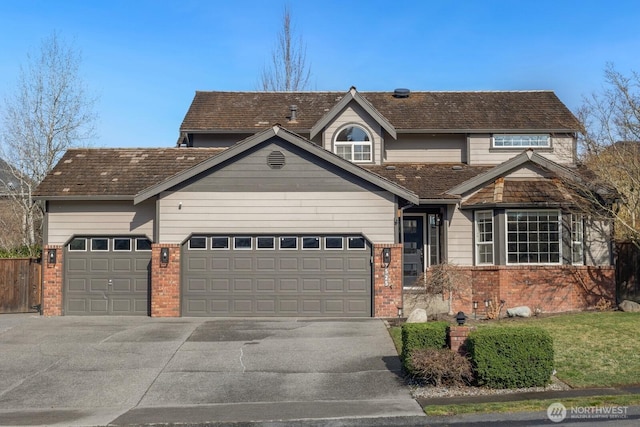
419, 315
629, 306
522, 311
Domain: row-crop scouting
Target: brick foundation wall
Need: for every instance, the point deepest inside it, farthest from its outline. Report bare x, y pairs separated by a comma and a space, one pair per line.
457, 337
165, 282
549, 289
52, 282
387, 282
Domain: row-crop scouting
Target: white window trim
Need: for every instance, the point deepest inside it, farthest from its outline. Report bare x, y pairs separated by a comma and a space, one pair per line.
100, 250
363, 248
506, 147
351, 144
198, 237
334, 237
577, 219
86, 244
244, 248
311, 237
273, 239
228, 247
506, 236
479, 243
122, 250
138, 239
288, 237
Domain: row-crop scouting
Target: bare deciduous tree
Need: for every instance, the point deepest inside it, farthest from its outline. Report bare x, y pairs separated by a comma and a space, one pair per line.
610, 150
288, 69
48, 112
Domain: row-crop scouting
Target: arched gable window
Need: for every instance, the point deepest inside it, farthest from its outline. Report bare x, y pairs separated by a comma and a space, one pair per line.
353, 143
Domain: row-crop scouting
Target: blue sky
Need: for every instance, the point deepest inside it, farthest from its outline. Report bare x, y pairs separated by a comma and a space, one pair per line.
145, 59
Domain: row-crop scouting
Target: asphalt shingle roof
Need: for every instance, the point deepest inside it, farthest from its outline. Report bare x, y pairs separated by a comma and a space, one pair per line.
428, 180
534, 192
480, 111
117, 172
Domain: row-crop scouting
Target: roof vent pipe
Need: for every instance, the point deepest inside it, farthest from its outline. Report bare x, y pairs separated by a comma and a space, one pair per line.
294, 113
401, 93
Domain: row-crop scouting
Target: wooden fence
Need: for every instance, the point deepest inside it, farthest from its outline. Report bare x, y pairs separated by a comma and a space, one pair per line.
628, 272
20, 289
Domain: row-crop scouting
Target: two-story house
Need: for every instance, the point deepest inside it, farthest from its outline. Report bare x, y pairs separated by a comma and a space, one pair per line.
328, 204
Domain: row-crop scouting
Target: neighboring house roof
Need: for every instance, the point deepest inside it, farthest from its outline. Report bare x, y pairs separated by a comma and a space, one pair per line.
534, 192
525, 111
116, 173
429, 181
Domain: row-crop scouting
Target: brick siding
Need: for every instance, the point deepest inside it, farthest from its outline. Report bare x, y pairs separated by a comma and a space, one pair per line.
52, 282
165, 282
387, 282
548, 289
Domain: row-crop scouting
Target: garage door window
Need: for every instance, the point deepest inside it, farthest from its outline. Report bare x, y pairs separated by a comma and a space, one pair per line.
356, 243
310, 243
198, 243
266, 242
143, 244
122, 245
333, 243
78, 244
289, 243
98, 245
242, 243
219, 243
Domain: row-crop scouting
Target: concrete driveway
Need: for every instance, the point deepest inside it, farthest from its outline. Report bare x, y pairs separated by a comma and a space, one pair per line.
128, 370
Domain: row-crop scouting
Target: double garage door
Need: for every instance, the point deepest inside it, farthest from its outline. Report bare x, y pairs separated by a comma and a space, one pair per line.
107, 275
292, 275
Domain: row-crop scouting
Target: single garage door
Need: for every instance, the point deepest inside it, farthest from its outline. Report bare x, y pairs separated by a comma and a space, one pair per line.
107, 275
308, 275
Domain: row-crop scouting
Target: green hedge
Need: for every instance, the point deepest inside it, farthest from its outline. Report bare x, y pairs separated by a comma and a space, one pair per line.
422, 335
511, 357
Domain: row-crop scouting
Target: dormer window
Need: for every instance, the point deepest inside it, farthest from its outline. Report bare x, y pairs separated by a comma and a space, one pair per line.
353, 143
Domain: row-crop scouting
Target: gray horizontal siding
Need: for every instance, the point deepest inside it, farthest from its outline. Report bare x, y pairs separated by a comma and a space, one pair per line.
369, 213
425, 148
69, 218
301, 172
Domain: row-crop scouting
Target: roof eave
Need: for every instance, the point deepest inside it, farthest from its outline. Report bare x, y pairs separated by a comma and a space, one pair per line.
83, 197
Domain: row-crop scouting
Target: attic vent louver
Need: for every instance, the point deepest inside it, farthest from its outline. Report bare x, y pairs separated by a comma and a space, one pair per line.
275, 160
401, 93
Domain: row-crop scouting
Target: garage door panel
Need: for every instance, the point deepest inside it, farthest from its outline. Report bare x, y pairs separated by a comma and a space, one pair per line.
124, 285
121, 306
75, 264
198, 263
266, 285
99, 306
77, 285
313, 285
288, 285
98, 285
242, 285
245, 264
98, 265
220, 285
123, 264
270, 281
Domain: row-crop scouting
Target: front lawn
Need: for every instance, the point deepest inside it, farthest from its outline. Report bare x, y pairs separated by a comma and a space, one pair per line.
592, 349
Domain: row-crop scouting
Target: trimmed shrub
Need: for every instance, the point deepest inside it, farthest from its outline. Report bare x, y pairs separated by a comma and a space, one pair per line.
511, 357
441, 367
421, 335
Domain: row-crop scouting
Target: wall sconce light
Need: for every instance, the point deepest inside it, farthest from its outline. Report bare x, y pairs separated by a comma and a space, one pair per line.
475, 309
164, 255
52, 256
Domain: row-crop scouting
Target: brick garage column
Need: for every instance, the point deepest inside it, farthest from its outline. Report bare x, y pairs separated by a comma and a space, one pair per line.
387, 281
52, 281
165, 281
